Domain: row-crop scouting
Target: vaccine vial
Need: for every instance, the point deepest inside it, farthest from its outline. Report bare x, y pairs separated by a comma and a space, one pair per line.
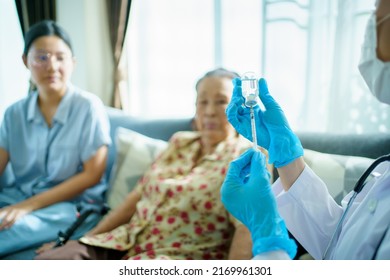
250, 89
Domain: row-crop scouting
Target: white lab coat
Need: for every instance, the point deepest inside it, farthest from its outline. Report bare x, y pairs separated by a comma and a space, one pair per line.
311, 215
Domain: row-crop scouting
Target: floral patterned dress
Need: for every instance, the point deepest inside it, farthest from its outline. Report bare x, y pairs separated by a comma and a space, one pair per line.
180, 214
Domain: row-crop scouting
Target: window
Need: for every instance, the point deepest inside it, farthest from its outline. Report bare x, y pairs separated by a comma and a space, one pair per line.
308, 50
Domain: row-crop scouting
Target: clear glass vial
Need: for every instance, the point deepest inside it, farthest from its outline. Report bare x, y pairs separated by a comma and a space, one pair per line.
250, 89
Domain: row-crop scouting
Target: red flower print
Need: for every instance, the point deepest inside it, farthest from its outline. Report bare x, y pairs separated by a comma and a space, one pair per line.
144, 212
109, 237
203, 186
137, 249
219, 256
151, 254
184, 216
198, 230
136, 258
170, 193
149, 246
211, 227
206, 256
179, 188
171, 220
176, 244
208, 205
221, 219
223, 170
118, 247
159, 218
155, 231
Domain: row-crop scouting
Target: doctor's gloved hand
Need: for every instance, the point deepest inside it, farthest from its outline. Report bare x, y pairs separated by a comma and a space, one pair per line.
273, 130
246, 194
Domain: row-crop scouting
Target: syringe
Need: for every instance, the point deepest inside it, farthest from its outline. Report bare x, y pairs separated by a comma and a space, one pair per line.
250, 92
253, 126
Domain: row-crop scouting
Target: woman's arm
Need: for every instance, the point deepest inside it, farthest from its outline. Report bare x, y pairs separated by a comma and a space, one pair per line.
288, 174
241, 247
91, 175
119, 216
3, 160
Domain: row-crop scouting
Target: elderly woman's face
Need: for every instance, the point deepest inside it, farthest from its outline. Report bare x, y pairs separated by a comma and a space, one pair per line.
214, 94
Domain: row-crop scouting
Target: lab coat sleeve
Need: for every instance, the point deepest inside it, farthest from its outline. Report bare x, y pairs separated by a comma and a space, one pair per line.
272, 255
310, 213
384, 249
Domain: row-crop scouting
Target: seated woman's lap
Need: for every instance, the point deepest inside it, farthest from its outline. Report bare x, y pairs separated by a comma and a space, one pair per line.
42, 226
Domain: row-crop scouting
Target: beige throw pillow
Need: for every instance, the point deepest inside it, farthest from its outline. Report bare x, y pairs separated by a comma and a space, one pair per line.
340, 173
135, 153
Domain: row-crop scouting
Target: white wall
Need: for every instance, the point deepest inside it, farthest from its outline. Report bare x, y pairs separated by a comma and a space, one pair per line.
86, 22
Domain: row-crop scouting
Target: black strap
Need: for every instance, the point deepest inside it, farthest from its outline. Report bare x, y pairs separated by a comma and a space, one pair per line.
63, 237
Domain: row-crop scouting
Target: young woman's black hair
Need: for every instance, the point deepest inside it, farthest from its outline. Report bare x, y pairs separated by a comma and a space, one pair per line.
45, 28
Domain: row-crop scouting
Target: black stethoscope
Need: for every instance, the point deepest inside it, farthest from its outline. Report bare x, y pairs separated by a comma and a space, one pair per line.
356, 190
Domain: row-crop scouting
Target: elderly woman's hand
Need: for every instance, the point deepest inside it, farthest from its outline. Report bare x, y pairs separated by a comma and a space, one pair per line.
246, 194
273, 130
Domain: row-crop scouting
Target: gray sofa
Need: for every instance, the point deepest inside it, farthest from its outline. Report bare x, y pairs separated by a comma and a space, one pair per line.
369, 145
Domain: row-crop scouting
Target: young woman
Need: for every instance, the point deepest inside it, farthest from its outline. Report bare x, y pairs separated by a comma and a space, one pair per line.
56, 141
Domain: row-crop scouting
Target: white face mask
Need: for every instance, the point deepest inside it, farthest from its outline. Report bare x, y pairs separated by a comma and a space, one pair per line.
375, 72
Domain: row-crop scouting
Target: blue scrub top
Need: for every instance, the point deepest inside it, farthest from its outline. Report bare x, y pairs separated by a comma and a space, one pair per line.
42, 156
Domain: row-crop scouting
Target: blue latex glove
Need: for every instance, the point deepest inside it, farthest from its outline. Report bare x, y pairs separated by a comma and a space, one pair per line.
246, 194
273, 130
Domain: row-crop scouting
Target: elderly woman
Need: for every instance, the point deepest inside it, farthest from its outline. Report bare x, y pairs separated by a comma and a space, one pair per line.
175, 211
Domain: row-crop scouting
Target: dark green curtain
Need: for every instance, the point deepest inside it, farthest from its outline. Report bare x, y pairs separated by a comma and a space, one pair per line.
118, 18
32, 11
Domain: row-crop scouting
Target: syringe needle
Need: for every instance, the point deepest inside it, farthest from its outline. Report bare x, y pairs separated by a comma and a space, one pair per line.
253, 126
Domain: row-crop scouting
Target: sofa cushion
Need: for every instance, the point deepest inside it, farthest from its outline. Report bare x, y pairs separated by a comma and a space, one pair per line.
370, 145
340, 173
135, 153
